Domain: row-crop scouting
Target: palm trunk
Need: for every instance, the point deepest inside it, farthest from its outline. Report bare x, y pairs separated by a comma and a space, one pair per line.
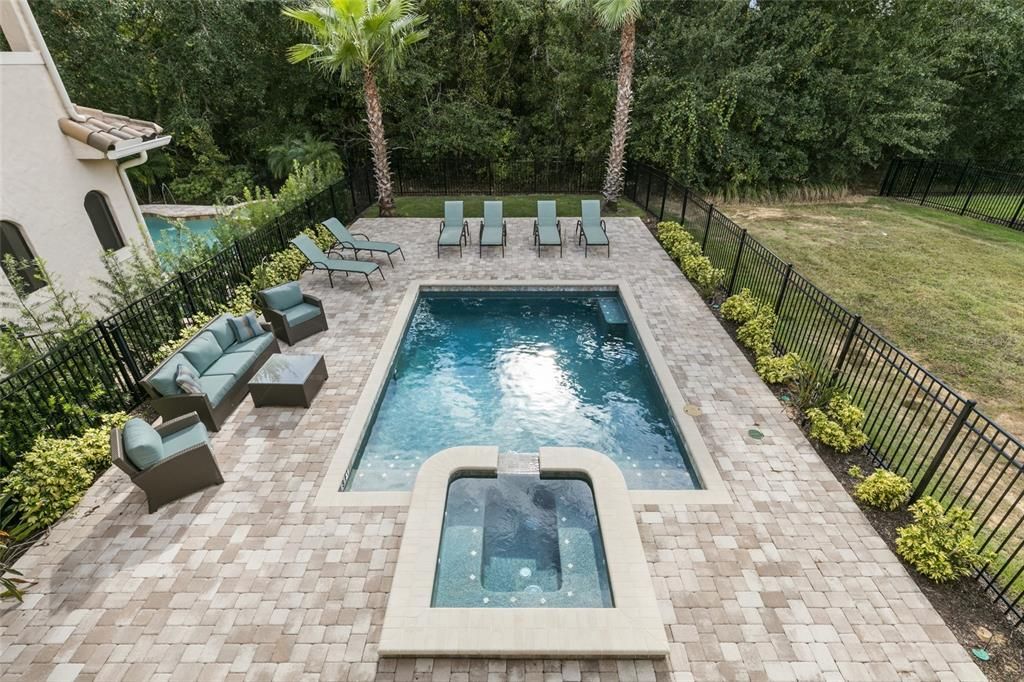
378, 144
614, 180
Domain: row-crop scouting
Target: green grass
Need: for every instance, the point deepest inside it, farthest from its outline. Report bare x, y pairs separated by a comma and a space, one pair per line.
944, 288
1001, 206
514, 206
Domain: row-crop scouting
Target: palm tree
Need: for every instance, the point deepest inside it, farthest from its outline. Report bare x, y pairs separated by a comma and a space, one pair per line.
307, 149
370, 36
620, 15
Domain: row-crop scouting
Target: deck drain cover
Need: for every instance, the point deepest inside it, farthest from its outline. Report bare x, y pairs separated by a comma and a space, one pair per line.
755, 434
692, 410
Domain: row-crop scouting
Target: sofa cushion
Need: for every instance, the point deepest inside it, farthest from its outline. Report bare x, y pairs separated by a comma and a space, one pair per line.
301, 313
256, 345
216, 386
232, 364
143, 446
187, 379
164, 380
283, 296
246, 327
222, 331
202, 351
183, 439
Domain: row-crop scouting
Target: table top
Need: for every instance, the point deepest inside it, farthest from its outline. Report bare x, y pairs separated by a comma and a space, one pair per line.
286, 369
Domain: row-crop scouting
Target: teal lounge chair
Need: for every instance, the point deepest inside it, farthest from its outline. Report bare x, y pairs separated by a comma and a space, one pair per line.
454, 229
547, 228
492, 227
347, 240
591, 229
318, 260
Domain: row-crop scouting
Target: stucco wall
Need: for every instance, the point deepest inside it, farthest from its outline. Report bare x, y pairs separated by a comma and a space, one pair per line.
43, 185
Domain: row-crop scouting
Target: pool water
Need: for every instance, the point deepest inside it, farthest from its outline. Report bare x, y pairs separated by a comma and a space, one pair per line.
167, 238
521, 371
521, 541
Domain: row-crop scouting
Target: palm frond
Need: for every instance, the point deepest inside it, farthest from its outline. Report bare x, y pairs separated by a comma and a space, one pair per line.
301, 52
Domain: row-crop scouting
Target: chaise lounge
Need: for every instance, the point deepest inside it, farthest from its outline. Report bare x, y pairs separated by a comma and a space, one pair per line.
591, 229
493, 231
454, 229
347, 240
547, 229
318, 260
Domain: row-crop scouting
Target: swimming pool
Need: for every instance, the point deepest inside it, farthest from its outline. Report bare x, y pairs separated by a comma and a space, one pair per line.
520, 370
166, 237
521, 541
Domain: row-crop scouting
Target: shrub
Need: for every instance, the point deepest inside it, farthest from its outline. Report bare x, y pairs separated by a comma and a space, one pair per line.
677, 242
812, 387
757, 333
940, 546
685, 251
741, 307
778, 369
839, 424
51, 477
285, 266
855, 472
704, 276
883, 490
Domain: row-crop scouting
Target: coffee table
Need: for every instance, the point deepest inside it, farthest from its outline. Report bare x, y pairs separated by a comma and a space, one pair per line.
288, 380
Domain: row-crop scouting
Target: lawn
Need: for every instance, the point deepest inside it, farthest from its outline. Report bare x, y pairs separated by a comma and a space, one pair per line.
946, 289
1001, 206
514, 206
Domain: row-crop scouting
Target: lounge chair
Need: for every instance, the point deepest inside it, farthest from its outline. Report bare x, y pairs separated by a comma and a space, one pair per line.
591, 229
347, 240
454, 230
318, 260
492, 227
547, 228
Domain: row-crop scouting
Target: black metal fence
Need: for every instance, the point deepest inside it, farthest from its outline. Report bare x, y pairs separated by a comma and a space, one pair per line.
917, 425
984, 190
460, 176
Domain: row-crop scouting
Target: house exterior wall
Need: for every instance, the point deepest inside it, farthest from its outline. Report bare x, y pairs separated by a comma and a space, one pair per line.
44, 177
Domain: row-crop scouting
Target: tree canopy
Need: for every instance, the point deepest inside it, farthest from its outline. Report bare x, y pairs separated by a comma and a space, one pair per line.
728, 94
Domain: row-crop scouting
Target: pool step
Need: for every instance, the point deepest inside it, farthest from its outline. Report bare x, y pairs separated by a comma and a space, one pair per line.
612, 311
519, 463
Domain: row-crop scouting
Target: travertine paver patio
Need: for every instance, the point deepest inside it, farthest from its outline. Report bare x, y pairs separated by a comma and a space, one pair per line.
249, 581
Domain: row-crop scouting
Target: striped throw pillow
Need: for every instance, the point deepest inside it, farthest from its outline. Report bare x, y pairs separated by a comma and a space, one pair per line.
187, 380
246, 327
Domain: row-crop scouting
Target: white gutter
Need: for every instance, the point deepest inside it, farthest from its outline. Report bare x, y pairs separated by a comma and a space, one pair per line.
122, 166
51, 67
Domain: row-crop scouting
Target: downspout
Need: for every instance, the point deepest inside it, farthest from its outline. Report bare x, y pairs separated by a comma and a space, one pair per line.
48, 62
122, 167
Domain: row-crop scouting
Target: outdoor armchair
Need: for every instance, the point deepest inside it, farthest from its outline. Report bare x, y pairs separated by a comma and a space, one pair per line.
293, 314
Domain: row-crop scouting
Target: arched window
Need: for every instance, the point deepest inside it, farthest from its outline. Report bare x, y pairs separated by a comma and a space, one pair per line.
12, 243
103, 221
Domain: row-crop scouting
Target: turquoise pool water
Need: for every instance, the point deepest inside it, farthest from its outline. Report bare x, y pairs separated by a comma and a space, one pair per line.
166, 237
516, 541
521, 371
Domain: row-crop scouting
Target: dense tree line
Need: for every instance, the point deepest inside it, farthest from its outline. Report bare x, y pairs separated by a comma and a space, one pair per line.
729, 94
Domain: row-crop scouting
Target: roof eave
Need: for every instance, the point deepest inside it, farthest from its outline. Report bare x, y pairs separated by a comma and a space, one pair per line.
137, 148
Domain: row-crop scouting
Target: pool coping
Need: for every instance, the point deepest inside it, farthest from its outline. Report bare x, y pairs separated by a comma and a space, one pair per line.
330, 494
633, 627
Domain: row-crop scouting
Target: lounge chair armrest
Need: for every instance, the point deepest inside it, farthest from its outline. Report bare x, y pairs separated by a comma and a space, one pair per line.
177, 424
361, 234
604, 226
272, 316
558, 226
312, 300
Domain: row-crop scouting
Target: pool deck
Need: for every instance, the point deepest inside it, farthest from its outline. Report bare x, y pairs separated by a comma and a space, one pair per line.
251, 580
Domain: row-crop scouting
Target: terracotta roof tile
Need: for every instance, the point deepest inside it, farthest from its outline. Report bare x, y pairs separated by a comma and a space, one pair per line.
105, 131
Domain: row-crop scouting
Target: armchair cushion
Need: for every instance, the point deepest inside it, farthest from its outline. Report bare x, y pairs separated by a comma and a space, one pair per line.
282, 297
183, 439
164, 380
202, 351
142, 444
246, 326
232, 364
221, 330
256, 345
298, 314
216, 386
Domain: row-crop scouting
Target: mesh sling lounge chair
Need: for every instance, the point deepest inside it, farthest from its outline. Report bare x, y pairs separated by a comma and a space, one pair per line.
318, 260
591, 229
547, 229
492, 227
454, 230
347, 240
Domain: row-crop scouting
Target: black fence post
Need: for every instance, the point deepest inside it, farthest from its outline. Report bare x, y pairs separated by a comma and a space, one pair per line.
960, 180
126, 365
970, 194
851, 334
191, 303
241, 258
682, 213
334, 204
782, 289
887, 180
707, 228
1016, 216
664, 196
736, 263
647, 196
124, 353
281, 234
933, 466
928, 187
913, 183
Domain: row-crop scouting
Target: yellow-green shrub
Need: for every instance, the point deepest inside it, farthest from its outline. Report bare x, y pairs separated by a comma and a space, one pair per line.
285, 266
741, 307
940, 546
778, 369
757, 332
883, 490
839, 424
677, 242
51, 478
705, 276
685, 251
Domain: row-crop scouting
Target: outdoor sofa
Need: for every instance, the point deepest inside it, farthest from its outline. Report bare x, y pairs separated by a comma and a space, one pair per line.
293, 314
224, 366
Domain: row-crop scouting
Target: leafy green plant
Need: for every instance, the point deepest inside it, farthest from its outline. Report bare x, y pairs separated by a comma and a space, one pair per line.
684, 250
757, 332
812, 387
302, 151
705, 276
778, 369
855, 472
742, 307
677, 242
128, 279
11, 581
883, 490
940, 546
838, 425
